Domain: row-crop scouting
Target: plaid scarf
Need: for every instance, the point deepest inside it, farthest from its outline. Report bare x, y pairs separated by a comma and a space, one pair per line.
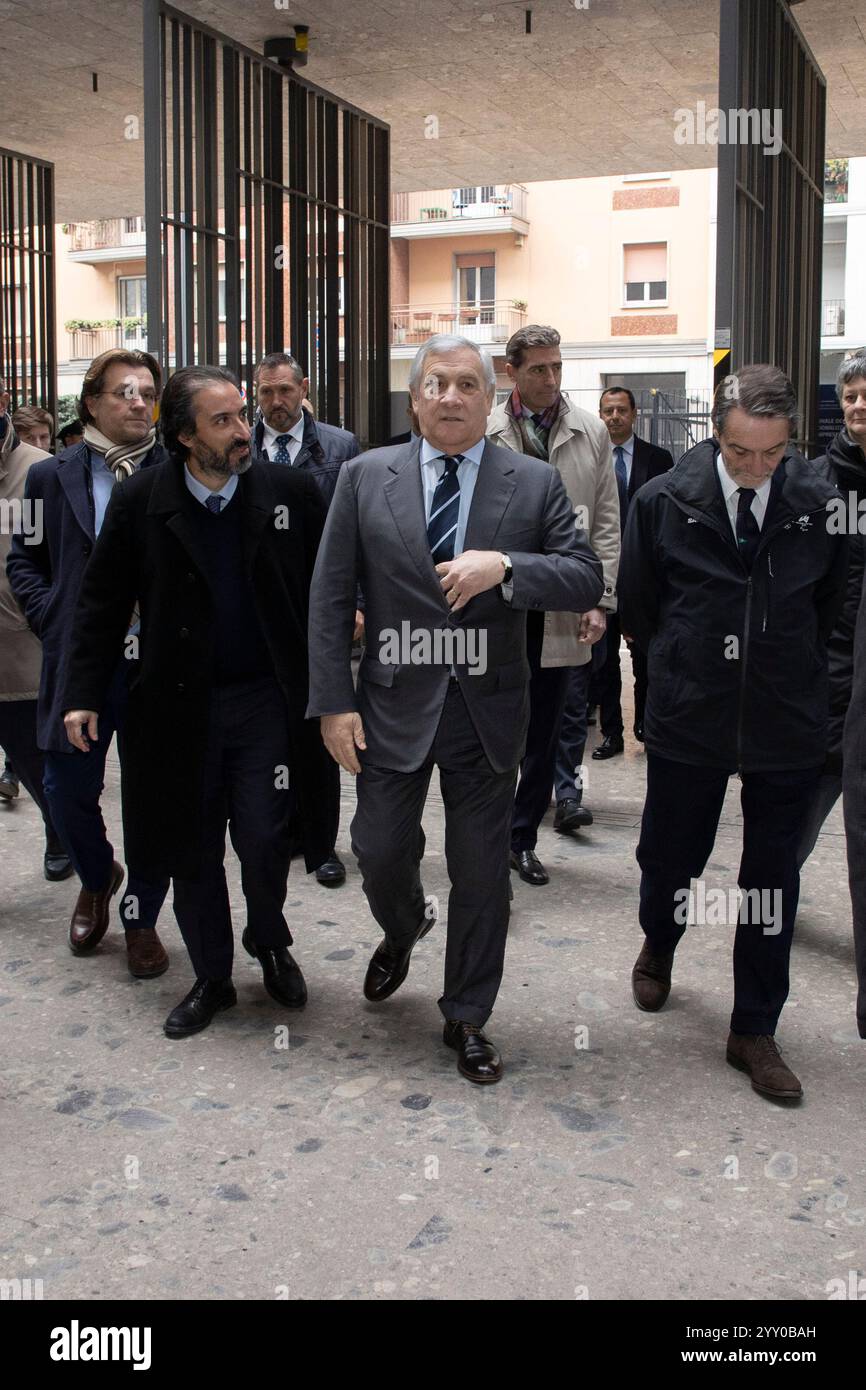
534, 429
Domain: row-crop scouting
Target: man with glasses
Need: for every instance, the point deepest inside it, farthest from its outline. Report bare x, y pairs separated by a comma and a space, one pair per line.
71, 492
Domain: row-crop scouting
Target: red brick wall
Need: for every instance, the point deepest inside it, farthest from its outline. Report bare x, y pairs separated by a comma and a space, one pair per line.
646, 198
638, 325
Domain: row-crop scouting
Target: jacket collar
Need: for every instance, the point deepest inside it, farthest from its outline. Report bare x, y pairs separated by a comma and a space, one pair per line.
170, 497
797, 487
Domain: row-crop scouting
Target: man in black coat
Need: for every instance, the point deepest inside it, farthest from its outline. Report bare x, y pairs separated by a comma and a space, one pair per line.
845, 464
285, 432
731, 582
635, 461
218, 554
71, 493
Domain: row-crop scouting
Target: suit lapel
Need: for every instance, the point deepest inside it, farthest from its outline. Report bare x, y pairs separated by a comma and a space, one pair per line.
638, 468
256, 497
72, 476
405, 497
494, 488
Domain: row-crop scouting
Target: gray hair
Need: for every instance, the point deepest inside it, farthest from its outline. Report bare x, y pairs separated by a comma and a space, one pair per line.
533, 335
272, 360
759, 389
446, 343
854, 366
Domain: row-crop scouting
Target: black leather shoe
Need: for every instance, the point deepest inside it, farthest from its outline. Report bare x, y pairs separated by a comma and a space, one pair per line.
57, 867
638, 732
332, 873
477, 1058
206, 998
281, 973
571, 815
530, 867
609, 747
9, 787
389, 964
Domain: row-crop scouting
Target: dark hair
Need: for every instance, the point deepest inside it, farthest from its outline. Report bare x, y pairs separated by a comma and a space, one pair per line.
272, 360
94, 377
622, 390
759, 389
533, 335
74, 427
176, 410
28, 417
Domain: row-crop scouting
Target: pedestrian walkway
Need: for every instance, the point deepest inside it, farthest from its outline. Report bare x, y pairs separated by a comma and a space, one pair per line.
337, 1154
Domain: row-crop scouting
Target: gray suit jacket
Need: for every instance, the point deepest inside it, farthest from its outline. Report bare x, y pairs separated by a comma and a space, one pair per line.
376, 535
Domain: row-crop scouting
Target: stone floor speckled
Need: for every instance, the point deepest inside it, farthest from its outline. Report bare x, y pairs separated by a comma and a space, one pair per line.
345, 1158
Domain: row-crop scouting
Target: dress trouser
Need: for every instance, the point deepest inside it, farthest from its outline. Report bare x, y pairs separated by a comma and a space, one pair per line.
18, 741
680, 819
573, 727
73, 784
248, 741
388, 843
827, 793
548, 688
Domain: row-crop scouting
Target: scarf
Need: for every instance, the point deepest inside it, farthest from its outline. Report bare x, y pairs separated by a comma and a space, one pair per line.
534, 433
121, 459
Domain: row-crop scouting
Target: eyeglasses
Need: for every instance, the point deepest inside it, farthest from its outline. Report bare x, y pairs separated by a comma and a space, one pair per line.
128, 394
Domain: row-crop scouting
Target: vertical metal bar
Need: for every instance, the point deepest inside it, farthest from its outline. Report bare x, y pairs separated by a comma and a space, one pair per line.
329, 385
153, 182
231, 161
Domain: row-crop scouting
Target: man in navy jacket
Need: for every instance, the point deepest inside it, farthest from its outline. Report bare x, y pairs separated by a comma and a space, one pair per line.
71, 491
285, 432
731, 580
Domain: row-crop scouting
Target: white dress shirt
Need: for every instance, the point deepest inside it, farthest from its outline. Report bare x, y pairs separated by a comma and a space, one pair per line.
730, 491
296, 439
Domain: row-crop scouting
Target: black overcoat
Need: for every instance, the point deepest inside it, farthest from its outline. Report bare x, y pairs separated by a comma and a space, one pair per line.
147, 553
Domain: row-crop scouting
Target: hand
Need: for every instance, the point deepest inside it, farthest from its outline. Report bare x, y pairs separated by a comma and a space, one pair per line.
342, 734
592, 626
469, 574
359, 626
80, 725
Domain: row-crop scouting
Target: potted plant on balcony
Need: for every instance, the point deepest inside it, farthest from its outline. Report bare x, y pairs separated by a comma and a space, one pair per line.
520, 304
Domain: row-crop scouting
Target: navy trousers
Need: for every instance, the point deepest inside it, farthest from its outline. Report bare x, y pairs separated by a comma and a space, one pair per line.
548, 688
248, 741
73, 784
18, 741
680, 819
568, 785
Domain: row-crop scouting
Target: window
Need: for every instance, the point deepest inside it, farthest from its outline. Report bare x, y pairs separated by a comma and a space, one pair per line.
645, 273
476, 286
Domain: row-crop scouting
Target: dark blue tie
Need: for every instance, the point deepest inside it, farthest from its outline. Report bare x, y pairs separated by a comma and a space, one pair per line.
282, 454
748, 530
619, 467
213, 504
444, 511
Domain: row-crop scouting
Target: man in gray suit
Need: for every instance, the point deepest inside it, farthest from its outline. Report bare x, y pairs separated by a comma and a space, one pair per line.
452, 539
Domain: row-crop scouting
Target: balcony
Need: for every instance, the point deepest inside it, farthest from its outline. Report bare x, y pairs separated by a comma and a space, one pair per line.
83, 344
478, 211
108, 239
413, 324
832, 318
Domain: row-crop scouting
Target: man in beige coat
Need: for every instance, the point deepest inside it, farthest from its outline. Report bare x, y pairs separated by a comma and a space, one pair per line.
537, 419
20, 650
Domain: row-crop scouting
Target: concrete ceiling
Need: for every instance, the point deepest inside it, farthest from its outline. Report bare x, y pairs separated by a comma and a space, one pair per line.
590, 91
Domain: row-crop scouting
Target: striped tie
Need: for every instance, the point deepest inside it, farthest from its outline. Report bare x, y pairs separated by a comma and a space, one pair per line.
213, 504
444, 511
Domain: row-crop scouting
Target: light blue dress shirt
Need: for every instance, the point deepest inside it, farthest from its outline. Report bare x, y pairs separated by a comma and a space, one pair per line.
202, 493
627, 456
103, 486
432, 468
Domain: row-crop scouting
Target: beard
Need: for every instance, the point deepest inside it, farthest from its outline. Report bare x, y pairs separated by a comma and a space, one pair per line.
221, 464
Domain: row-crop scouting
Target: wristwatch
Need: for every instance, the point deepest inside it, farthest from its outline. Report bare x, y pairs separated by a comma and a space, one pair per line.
509, 568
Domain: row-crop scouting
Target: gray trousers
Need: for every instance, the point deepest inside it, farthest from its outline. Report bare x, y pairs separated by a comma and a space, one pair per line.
388, 842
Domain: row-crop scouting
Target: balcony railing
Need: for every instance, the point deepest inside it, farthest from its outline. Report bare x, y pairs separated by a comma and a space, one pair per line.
460, 204
832, 318
107, 232
87, 343
493, 322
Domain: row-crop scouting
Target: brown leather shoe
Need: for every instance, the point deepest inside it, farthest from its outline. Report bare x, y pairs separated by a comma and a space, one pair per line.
145, 953
90, 918
651, 979
757, 1054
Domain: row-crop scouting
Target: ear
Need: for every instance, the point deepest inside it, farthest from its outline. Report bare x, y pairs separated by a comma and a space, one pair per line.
511, 371
186, 440
305, 388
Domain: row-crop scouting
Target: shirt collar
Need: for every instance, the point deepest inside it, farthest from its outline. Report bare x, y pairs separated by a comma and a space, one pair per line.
202, 493
296, 432
429, 453
730, 488
627, 447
